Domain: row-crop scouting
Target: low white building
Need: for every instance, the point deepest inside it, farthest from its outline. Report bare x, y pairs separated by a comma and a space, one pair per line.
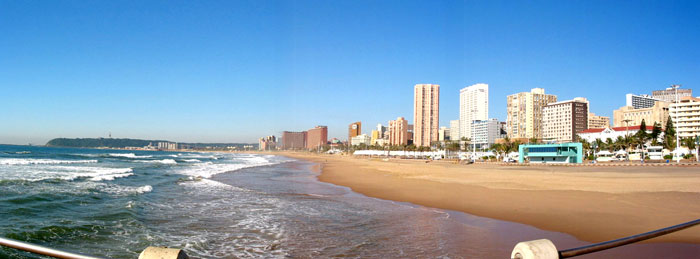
603, 134
361, 139
485, 132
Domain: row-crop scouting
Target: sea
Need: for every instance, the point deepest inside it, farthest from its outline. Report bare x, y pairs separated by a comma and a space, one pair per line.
115, 203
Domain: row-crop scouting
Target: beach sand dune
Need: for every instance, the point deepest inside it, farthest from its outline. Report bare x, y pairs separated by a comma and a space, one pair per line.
593, 204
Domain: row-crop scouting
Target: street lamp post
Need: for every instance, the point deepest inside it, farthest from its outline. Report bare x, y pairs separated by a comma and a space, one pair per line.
678, 141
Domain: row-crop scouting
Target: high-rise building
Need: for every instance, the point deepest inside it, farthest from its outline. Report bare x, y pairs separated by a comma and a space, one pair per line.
473, 105
316, 137
671, 95
443, 134
409, 134
354, 129
426, 114
382, 130
657, 113
640, 101
686, 117
398, 132
598, 122
293, 140
485, 132
563, 120
267, 143
374, 137
525, 113
454, 130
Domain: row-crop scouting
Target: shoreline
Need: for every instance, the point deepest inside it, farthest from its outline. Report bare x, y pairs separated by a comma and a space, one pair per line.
593, 204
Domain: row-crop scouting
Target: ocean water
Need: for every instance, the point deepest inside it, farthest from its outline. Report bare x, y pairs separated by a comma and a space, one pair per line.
114, 204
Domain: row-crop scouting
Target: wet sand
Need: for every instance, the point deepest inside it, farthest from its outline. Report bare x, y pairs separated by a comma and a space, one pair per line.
593, 204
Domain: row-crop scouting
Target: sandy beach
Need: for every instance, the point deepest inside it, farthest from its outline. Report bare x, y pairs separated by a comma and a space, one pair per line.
593, 204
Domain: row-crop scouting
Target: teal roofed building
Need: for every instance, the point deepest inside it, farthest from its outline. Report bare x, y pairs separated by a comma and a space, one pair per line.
551, 153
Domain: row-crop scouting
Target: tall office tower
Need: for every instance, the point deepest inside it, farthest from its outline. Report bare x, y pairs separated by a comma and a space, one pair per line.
398, 132
525, 113
354, 129
563, 120
426, 114
473, 106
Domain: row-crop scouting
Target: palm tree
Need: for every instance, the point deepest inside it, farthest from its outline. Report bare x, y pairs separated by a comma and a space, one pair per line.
609, 144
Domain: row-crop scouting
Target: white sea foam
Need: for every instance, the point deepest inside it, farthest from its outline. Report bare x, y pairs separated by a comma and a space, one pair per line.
127, 155
60, 172
163, 161
38, 161
192, 160
115, 188
208, 169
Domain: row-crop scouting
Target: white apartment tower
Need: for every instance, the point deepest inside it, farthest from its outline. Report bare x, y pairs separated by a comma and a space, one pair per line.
473, 106
686, 117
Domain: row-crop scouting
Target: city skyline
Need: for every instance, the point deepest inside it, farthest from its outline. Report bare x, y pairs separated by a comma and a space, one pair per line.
233, 72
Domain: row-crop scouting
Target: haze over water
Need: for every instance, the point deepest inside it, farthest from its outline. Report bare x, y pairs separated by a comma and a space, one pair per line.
115, 203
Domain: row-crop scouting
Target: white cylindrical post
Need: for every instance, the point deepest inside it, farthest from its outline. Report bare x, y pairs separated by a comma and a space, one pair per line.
535, 249
153, 252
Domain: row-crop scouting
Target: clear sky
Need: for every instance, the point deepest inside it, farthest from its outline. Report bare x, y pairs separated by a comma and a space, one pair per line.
233, 71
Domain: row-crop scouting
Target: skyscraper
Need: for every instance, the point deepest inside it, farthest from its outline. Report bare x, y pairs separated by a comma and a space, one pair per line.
354, 129
525, 113
473, 106
426, 114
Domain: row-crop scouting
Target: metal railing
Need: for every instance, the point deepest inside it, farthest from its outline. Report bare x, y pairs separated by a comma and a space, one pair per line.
42, 250
624, 241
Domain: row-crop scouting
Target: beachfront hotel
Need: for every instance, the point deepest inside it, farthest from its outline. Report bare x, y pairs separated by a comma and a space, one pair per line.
597, 122
473, 106
316, 137
563, 120
671, 95
398, 132
628, 115
293, 140
354, 129
686, 117
640, 101
524, 112
426, 114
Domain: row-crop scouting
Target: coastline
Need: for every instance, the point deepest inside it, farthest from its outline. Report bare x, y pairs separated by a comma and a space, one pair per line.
593, 204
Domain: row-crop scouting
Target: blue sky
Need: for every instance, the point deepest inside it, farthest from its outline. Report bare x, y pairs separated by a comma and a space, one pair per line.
232, 71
